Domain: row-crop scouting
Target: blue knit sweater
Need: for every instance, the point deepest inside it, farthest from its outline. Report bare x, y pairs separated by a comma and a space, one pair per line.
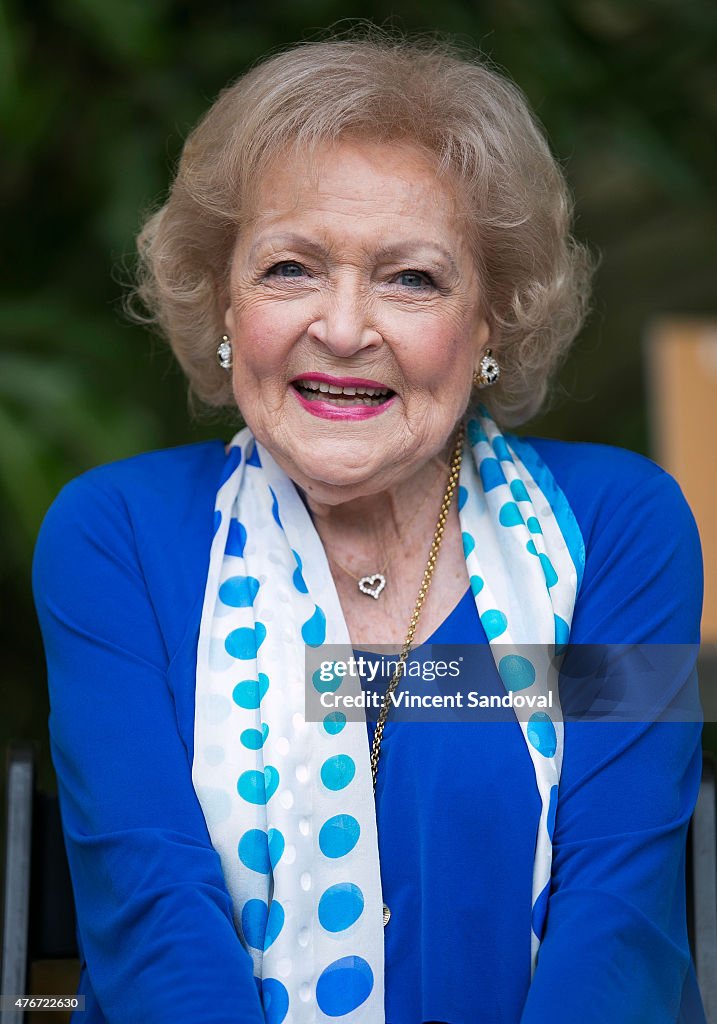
118, 576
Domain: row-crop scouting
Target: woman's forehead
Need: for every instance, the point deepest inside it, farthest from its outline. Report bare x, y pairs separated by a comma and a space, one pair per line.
355, 182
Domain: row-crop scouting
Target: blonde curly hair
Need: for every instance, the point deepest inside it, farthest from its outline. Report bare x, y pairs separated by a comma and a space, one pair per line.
378, 85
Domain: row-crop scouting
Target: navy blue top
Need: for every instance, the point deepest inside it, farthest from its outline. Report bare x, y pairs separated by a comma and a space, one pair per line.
119, 575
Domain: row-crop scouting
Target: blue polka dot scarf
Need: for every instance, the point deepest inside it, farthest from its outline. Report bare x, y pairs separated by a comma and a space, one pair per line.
289, 803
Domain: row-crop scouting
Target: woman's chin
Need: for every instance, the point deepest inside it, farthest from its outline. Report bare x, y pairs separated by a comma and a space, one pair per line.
329, 482
335, 454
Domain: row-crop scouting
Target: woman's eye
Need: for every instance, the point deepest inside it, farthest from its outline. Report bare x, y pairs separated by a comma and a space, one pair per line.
415, 279
286, 269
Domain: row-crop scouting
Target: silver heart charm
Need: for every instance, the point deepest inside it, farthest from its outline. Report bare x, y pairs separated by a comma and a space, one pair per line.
372, 585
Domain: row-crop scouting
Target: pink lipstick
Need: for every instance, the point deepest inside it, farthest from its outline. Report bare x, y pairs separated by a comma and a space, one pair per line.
341, 398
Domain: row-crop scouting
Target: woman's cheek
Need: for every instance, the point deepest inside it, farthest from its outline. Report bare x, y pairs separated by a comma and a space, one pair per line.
261, 344
430, 353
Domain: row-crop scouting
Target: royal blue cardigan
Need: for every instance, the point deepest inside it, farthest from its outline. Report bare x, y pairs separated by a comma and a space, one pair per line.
118, 576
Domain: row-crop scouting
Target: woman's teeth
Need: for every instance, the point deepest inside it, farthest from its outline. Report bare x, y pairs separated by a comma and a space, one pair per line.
315, 390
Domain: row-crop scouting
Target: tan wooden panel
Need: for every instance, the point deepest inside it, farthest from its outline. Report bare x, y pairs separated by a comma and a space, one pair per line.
681, 360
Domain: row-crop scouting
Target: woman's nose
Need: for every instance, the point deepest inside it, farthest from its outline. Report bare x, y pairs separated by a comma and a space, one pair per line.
345, 324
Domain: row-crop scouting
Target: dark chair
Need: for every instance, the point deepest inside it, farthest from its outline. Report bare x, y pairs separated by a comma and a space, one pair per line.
38, 906
702, 888
39, 914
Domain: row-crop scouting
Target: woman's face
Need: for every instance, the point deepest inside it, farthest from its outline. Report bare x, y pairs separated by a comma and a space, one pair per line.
355, 275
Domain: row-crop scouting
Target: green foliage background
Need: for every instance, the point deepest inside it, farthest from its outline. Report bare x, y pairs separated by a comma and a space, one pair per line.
95, 99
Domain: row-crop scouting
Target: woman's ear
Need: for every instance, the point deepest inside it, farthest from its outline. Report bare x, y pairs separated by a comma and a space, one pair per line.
229, 321
482, 335
222, 292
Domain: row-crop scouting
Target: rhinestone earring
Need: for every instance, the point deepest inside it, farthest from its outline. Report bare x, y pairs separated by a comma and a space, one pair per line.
224, 353
489, 371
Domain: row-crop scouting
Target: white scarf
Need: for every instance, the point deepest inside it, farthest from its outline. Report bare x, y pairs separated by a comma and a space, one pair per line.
289, 804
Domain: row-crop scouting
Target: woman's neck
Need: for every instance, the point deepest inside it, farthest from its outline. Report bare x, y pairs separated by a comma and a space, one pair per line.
364, 534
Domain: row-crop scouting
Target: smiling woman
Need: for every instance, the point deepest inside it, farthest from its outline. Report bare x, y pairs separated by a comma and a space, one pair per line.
359, 265
465, 125
365, 236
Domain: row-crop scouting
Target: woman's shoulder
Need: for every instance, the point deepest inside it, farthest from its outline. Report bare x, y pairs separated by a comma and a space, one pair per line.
142, 508
140, 522
155, 470
139, 483
605, 465
641, 545
606, 484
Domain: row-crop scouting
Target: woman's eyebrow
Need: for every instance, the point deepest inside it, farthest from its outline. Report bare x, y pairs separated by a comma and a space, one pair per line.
289, 239
417, 250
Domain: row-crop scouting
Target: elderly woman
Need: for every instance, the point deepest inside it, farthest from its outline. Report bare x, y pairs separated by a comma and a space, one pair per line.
366, 253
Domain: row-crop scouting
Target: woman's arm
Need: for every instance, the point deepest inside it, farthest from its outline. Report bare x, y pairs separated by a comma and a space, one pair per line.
154, 916
615, 946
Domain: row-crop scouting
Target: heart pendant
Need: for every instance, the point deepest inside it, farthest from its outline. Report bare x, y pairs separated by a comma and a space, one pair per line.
372, 585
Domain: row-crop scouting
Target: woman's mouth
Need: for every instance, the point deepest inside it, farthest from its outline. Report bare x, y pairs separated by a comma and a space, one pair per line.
342, 396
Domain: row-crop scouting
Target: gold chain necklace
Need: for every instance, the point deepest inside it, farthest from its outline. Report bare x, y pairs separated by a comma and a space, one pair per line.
420, 600
373, 583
